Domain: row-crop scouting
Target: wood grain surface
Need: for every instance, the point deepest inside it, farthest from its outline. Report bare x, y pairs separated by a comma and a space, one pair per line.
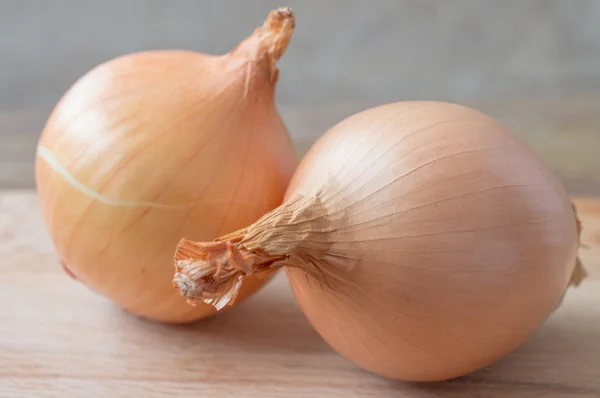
58, 339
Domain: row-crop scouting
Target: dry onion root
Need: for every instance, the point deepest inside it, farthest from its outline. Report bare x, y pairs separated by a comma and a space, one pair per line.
153, 145
579, 273
422, 240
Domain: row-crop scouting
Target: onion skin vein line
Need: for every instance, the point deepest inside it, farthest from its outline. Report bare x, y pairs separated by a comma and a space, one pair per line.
50, 159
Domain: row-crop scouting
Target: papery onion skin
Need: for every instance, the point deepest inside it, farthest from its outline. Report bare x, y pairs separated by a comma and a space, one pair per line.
153, 145
422, 240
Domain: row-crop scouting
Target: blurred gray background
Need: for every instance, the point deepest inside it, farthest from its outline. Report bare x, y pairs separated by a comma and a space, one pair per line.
348, 50
534, 64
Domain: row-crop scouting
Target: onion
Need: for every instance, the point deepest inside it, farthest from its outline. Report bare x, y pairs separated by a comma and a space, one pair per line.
422, 240
153, 145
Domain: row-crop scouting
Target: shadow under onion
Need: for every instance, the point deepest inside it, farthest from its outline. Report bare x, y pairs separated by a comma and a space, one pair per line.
562, 359
266, 322
268, 332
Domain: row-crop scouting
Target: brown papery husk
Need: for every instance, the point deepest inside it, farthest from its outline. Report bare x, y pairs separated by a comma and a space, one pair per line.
158, 144
579, 272
422, 240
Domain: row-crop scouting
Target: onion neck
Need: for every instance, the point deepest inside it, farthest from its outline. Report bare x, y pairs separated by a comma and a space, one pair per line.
213, 272
268, 43
288, 236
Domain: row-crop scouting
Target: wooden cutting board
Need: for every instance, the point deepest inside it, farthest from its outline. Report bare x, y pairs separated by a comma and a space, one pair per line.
58, 339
